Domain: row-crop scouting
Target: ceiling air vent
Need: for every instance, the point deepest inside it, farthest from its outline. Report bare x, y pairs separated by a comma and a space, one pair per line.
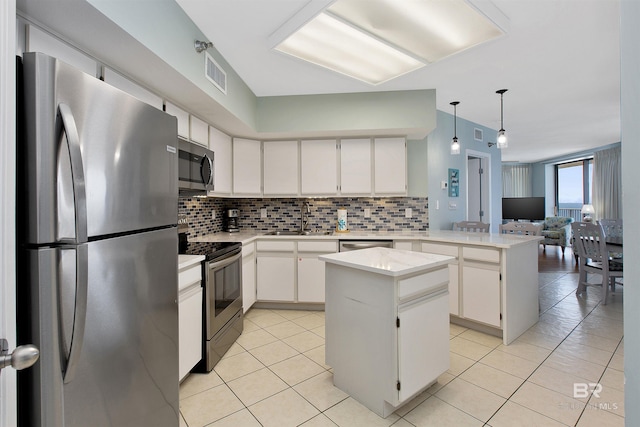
215, 73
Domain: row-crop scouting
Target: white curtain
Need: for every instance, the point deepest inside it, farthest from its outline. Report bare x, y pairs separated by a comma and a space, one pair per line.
607, 184
517, 180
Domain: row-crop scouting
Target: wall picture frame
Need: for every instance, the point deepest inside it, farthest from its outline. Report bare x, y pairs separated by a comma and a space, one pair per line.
454, 182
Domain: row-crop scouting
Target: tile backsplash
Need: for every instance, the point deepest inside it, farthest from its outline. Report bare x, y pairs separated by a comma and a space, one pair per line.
206, 215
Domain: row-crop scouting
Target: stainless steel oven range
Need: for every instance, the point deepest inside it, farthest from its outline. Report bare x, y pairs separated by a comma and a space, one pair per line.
222, 300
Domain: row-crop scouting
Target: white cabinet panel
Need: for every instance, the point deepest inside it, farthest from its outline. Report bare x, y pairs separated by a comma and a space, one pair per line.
454, 289
318, 167
182, 116
198, 131
220, 144
247, 167
355, 166
190, 329
275, 278
310, 279
280, 161
481, 294
133, 89
415, 347
39, 41
405, 246
248, 276
390, 158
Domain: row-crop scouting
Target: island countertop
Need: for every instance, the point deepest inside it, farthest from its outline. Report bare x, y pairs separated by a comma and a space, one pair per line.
386, 261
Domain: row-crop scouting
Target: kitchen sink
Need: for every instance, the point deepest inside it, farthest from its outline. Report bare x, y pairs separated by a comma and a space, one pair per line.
299, 233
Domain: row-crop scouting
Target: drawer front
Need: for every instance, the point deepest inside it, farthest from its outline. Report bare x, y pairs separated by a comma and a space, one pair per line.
423, 283
248, 249
435, 248
481, 254
189, 276
275, 245
318, 246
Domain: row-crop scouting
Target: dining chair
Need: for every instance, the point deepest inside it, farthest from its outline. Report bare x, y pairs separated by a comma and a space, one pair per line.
611, 227
594, 257
473, 226
523, 228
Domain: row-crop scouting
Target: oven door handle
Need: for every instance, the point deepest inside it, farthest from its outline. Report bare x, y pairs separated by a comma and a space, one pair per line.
221, 264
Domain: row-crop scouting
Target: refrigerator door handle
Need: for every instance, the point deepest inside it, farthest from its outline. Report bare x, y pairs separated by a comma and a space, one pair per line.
79, 312
77, 172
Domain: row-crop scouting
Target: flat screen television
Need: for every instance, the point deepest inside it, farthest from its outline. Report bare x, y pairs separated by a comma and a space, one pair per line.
523, 208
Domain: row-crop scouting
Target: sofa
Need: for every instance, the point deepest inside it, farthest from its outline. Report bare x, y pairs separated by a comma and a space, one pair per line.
556, 230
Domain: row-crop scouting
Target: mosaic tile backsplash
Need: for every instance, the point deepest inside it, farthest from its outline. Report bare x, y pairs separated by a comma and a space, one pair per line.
386, 213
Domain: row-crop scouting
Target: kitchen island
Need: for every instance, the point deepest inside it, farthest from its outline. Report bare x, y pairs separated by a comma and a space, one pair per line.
387, 324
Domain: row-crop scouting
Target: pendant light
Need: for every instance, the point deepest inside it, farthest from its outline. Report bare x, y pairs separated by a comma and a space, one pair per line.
455, 145
502, 134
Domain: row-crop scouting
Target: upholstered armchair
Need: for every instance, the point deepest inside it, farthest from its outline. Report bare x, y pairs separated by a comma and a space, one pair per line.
556, 230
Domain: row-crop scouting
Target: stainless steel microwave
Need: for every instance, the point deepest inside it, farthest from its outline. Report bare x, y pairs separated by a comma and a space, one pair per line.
195, 167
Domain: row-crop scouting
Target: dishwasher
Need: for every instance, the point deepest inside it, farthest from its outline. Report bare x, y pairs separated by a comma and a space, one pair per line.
354, 245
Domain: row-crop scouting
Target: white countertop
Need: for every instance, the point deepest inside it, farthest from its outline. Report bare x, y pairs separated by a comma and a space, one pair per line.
185, 261
443, 236
386, 261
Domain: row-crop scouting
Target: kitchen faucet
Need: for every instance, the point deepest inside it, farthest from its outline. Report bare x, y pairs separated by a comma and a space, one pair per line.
304, 216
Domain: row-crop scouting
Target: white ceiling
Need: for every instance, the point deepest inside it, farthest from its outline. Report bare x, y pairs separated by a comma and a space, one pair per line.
560, 61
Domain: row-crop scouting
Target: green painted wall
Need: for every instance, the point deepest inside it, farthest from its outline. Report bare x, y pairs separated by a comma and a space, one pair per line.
164, 28
349, 112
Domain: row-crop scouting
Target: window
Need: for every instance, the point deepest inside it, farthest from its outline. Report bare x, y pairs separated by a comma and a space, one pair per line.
573, 187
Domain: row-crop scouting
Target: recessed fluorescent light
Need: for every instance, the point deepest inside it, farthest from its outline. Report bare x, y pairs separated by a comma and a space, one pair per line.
333, 44
376, 41
430, 30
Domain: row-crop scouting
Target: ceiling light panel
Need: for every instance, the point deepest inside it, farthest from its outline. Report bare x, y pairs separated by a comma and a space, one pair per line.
339, 46
430, 30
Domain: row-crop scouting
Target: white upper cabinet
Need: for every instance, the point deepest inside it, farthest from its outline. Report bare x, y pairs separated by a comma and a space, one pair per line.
198, 131
220, 144
133, 89
318, 168
355, 166
183, 119
390, 172
39, 41
247, 167
280, 175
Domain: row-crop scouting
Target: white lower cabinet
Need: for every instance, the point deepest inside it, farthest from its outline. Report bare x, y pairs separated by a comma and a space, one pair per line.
275, 270
189, 318
481, 294
289, 271
415, 346
311, 270
248, 276
481, 285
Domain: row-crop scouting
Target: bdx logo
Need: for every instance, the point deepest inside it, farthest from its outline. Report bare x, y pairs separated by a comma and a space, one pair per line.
581, 390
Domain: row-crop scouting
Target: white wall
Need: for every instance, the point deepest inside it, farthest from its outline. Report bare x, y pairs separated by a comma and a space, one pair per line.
630, 108
8, 395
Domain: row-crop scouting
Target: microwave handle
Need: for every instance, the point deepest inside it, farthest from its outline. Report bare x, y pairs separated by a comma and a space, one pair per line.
207, 178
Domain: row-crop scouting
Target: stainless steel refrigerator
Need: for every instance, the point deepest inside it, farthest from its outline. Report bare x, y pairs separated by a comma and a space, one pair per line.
97, 203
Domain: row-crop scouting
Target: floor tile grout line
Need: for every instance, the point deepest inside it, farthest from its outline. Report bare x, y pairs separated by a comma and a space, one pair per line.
599, 380
292, 386
541, 363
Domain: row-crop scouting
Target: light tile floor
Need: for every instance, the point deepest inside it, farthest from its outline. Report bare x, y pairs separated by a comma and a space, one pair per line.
275, 373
